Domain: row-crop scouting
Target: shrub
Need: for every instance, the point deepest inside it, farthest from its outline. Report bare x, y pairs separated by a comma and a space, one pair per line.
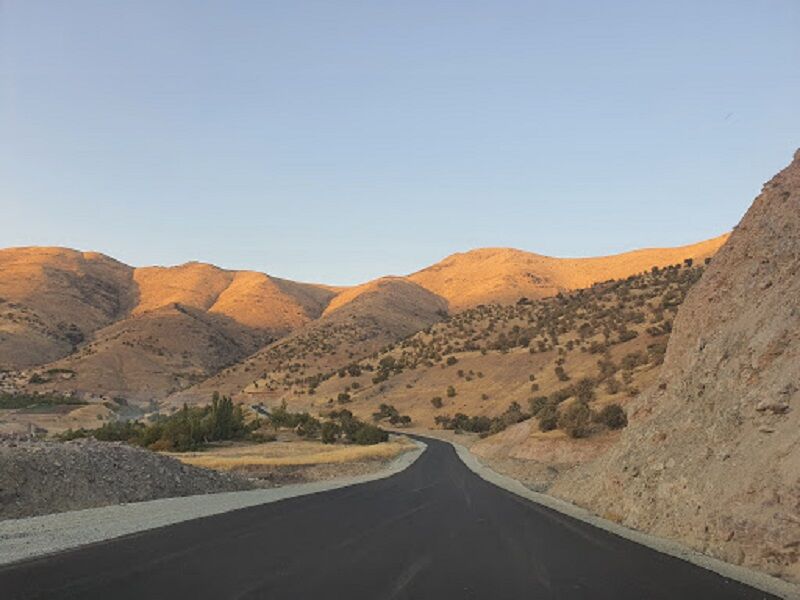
612, 416
367, 435
575, 419
437, 402
24, 400
537, 404
451, 391
329, 432
584, 390
548, 417
613, 386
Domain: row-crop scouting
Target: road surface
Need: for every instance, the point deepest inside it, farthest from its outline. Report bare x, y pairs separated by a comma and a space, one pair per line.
436, 531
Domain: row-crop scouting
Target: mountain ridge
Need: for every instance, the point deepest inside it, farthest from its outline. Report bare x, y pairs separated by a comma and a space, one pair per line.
83, 311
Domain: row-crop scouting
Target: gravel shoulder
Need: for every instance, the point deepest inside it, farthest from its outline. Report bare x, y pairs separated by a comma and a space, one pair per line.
27, 538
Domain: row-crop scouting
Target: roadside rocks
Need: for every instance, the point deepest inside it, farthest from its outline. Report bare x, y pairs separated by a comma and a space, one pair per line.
39, 477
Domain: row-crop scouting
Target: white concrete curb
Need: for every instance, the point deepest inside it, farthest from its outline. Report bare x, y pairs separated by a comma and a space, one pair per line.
761, 581
21, 539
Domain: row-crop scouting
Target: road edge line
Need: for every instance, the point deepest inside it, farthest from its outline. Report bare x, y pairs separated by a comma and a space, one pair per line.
761, 581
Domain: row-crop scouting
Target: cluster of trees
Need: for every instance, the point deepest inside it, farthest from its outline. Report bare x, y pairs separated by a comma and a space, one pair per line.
578, 419
339, 425
34, 400
483, 424
343, 426
387, 412
186, 430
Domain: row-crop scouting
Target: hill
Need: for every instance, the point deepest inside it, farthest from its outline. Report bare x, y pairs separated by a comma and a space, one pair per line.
53, 299
357, 323
602, 344
712, 455
83, 322
504, 275
97, 326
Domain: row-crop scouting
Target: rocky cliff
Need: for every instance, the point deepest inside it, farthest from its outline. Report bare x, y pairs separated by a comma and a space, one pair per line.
712, 455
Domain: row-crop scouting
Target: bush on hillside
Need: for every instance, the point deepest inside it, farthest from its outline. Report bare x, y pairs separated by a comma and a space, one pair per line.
575, 420
548, 417
612, 416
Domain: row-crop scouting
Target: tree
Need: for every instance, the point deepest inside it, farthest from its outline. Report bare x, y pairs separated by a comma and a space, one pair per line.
612, 416
369, 434
575, 419
548, 417
329, 432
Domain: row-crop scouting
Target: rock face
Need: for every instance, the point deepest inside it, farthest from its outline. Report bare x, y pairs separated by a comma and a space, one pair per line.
712, 455
38, 477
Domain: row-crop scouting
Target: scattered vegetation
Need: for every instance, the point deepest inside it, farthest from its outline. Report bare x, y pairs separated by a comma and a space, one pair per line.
390, 413
36, 400
188, 429
483, 424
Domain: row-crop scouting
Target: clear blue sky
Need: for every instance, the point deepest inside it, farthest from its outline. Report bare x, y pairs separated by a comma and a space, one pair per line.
339, 141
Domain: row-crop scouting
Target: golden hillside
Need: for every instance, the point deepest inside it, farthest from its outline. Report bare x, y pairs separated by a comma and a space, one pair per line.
137, 332
157, 331
504, 275
603, 344
251, 299
370, 317
152, 354
52, 299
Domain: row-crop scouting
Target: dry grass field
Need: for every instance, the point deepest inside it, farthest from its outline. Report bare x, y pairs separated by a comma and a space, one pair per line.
289, 454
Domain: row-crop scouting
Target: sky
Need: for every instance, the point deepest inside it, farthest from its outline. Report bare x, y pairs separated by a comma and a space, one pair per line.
341, 141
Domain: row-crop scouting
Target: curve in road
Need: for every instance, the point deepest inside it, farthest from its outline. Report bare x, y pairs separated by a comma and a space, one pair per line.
435, 530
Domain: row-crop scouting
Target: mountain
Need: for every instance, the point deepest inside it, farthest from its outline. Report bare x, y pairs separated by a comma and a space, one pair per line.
81, 321
53, 299
712, 454
504, 275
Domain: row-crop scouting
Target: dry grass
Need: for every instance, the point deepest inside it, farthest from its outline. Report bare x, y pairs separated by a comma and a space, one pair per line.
291, 454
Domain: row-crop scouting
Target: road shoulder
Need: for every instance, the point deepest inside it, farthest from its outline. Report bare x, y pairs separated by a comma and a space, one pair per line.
22, 539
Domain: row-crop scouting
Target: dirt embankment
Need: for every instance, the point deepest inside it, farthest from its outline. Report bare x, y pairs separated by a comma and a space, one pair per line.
40, 477
712, 454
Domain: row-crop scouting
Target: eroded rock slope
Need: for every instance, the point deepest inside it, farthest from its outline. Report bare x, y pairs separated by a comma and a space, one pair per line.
712, 455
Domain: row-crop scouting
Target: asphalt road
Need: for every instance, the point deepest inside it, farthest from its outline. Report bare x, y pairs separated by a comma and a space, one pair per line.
436, 531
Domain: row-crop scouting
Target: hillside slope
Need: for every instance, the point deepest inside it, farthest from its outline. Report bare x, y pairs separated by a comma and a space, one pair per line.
92, 324
52, 299
361, 322
504, 275
712, 456
104, 328
607, 340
